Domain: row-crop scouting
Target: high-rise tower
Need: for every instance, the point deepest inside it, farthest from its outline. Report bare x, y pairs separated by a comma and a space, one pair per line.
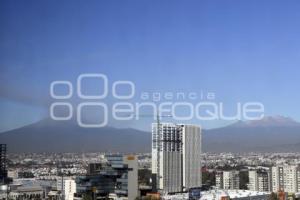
176, 157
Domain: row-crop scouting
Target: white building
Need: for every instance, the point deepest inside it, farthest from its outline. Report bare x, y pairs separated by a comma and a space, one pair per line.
259, 180
228, 180
67, 187
176, 157
219, 179
231, 180
3, 191
132, 177
286, 178
277, 178
223, 195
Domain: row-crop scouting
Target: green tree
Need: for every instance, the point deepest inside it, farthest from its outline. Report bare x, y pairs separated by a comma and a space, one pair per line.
273, 196
209, 178
87, 197
144, 176
244, 180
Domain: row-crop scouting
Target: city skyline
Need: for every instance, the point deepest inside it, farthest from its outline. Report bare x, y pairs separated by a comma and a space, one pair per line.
149, 100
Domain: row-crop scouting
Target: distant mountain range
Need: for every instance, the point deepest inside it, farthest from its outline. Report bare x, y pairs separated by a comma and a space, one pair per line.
269, 121
66, 136
271, 134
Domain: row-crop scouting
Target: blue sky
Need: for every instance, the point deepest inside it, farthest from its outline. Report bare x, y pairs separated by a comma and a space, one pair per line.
240, 50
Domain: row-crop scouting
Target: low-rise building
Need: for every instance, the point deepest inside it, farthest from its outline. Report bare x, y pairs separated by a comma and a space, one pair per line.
223, 195
118, 176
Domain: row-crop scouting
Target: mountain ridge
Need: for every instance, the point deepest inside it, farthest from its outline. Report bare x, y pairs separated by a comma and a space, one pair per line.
270, 134
268, 121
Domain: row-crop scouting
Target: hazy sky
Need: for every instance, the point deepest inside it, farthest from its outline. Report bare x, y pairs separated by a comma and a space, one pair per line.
245, 50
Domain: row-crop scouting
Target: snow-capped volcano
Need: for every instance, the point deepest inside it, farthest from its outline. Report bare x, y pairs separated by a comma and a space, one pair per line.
269, 121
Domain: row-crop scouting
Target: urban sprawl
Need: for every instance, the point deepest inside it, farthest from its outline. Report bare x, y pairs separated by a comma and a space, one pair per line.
175, 169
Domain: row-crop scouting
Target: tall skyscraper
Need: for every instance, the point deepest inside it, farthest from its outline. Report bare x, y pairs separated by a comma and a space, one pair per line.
176, 157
